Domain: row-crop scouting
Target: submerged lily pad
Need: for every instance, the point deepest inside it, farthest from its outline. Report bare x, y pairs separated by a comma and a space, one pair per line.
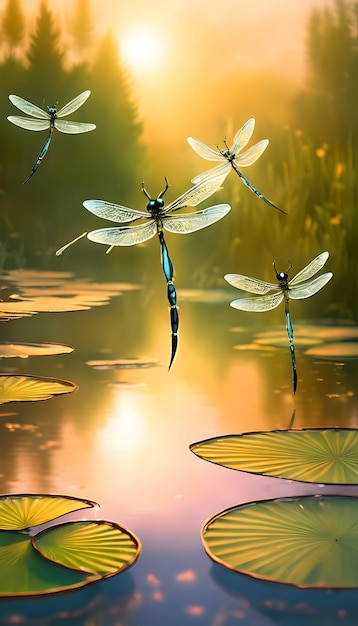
309, 541
24, 350
328, 456
21, 511
343, 350
60, 557
114, 364
19, 388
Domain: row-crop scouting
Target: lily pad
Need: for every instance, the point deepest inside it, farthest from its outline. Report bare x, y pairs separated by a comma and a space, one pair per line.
328, 456
125, 364
61, 557
309, 541
20, 388
24, 350
97, 547
21, 511
344, 350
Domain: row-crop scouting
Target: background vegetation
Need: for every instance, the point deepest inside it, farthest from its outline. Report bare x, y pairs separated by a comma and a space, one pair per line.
310, 169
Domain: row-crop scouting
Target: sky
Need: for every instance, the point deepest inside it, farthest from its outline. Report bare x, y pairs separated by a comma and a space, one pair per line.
190, 62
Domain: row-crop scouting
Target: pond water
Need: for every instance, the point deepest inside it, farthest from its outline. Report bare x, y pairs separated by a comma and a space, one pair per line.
123, 440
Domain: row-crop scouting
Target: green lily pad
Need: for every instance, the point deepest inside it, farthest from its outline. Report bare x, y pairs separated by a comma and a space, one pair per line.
23, 571
97, 547
20, 388
328, 456
21, 511
309, 541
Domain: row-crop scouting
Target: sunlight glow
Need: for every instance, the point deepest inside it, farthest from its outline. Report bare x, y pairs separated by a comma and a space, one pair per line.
141, 50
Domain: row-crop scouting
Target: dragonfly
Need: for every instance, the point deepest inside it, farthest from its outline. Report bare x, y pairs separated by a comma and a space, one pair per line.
233, 157
50, 119
155, 220
302, 285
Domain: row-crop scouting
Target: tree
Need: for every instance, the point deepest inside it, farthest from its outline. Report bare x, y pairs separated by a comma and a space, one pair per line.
13, 25
82, 27
45, 56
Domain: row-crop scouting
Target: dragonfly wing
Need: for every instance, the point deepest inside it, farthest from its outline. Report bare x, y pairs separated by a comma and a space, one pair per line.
74, 104
246, 283
310, 270
190, 222
263, 303
28, 123
73, 128
204, 151
310, 288
243, 136
124, 235
113, 212
252, 154
197, 194
29, 108
220, 170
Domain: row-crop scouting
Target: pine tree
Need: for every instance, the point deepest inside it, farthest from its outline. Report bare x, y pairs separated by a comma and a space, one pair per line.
45, 56
13, 25
82, 27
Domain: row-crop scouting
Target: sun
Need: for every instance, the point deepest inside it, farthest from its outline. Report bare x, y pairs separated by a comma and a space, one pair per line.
141, 50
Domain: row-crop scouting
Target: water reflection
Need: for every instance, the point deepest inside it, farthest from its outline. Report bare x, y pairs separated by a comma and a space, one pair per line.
123, 438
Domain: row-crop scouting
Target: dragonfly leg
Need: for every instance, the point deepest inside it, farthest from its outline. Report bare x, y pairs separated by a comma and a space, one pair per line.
171, 294
289, 328
41, 156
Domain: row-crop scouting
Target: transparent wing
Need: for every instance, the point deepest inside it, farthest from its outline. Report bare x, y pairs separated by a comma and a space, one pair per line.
310, 288
310, 270
124, 235
196, 194
264, 303
243, 136
246, 283
191, 222
29, 108
29, 123
73, 128
113, 212
74, 104
220, 170
252, 154
204, 151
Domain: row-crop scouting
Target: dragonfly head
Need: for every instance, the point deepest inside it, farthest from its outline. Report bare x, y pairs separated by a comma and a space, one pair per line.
282, 277
155, 205
227, 152
52, 110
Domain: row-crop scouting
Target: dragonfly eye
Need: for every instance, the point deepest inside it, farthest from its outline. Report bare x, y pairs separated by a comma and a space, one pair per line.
155, 205
52, 110
281, 276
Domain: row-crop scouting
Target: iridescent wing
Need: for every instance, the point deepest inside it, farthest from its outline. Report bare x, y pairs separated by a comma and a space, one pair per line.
73, 128
74, 104
252, 154
243, 136
310, 288
196, 194
220, 170
253, 285
263, 303
190, 222
310, 270
113, 212
205, 151
124, 235
29, 108
29, 123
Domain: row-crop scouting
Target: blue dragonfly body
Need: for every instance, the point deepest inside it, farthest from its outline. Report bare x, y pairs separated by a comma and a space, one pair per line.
302, 285
154, 221
50, 119
232, 158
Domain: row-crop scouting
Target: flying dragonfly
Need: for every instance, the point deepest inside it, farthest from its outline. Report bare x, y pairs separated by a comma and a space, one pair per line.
50, 119
299, 287
156, 220
231, 157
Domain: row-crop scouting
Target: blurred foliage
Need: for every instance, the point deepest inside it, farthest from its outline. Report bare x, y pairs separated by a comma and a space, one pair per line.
40, 216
